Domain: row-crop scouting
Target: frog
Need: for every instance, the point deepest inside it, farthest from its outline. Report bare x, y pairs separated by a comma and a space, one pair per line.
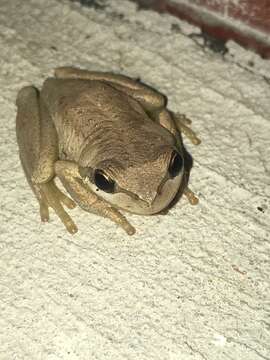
109, 139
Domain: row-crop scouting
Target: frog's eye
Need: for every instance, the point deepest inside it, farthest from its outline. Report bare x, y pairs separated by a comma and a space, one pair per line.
103, 182
176, 164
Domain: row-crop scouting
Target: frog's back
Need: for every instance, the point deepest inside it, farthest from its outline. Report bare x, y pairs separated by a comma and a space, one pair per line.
95, 97
94, 113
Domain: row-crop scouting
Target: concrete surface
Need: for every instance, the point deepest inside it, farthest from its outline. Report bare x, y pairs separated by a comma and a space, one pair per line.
191, 285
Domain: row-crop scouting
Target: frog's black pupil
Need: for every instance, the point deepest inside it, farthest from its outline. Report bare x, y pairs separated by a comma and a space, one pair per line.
103, 182
176, 164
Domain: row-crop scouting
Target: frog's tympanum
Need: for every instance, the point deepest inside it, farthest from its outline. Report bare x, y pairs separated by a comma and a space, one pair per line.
109, 139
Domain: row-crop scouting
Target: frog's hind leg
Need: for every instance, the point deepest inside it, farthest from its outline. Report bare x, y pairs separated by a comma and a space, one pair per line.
149, 98
38, 151
152, 101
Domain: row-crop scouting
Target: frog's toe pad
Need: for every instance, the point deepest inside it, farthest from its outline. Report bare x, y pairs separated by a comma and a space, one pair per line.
51, 196
192, 198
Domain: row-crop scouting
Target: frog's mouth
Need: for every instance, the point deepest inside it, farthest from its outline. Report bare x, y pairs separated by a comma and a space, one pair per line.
146, 189
150, 205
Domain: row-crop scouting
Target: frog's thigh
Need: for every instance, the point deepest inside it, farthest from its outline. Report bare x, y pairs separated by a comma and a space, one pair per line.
68, 173
28, 128
48, 153
74, 73
36, 135
152, 101
147, 97
29, 133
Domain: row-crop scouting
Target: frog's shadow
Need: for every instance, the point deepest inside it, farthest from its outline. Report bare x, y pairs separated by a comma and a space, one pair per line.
188, 161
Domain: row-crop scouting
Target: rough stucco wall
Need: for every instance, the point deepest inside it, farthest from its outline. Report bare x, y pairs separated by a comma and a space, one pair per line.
193, 284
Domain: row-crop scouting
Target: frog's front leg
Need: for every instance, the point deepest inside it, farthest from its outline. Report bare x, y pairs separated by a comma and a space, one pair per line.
68, 173
38, 150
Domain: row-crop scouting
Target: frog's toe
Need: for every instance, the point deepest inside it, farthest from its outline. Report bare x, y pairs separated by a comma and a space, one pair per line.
192, 198
129, 229
44, 211
68, 222
67, 201
183, 123
64, 217
182, 118
125, 224
190, 134
195, 140
51, 196
117, 218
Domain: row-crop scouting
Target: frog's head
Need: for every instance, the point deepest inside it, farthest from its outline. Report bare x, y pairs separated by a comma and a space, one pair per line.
141, 183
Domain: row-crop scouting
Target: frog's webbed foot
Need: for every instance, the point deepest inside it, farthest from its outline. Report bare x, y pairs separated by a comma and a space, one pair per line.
49, 195
183, 124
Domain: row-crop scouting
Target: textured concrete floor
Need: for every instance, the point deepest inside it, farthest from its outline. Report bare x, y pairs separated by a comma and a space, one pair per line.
191, 285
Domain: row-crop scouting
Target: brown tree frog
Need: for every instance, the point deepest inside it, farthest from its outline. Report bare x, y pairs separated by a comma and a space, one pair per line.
109, 139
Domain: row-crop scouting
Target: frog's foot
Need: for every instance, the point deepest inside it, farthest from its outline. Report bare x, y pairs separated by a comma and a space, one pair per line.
183, 123
68, 172
49, 195
90, 202
192, 198
119, 219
